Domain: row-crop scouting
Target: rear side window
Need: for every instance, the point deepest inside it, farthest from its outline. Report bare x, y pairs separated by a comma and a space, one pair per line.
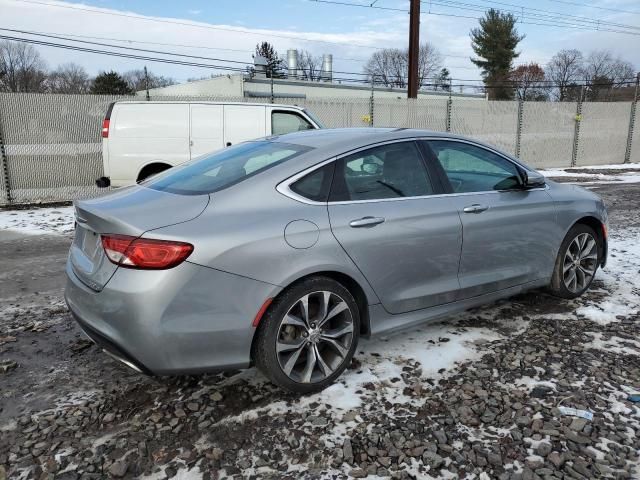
287, 122
315, 185
225, 168
389, 171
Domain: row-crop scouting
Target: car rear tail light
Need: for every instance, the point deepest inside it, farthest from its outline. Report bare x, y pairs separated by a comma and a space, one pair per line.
145, 253
105, 128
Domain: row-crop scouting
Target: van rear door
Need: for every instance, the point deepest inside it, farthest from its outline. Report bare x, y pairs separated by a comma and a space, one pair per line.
207, 129
143, 133
243, 122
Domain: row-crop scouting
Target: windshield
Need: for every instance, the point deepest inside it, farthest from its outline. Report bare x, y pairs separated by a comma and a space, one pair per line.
224, 168
315, 119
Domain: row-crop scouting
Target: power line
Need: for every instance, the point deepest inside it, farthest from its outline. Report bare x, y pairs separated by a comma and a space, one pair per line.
195, 25
157, 52
561, 25
533, 12
179, 45
550, 20
598, 7
511, 84
57, 37
119, 54
237, 69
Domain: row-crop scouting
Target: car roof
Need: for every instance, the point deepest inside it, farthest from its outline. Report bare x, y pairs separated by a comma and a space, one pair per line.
329, 142
348, 138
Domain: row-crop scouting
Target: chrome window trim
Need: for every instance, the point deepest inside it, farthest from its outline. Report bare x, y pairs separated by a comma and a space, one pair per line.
284, 186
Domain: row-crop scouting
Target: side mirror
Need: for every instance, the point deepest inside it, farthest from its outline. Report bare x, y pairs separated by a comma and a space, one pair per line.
533, 179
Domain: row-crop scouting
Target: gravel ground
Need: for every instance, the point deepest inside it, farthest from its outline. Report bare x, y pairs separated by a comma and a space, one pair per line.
478, 396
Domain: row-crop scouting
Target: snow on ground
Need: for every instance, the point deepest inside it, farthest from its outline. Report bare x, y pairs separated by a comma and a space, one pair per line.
597, 173
39, 221
614, 166
620, 277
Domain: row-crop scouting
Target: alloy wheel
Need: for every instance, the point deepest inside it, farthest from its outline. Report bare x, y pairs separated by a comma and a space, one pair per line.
580, 262
314, 337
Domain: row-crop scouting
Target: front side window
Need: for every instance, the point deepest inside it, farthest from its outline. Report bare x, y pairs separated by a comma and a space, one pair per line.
474, 169
225, 167
287, 122
389, 171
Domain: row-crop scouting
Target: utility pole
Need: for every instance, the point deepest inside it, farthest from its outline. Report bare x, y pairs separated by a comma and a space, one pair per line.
414, 47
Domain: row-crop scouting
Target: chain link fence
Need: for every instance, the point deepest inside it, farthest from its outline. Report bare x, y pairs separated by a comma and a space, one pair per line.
51, 150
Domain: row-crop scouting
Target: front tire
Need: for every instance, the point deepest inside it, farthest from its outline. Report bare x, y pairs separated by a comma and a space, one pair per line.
577, 262
308, 336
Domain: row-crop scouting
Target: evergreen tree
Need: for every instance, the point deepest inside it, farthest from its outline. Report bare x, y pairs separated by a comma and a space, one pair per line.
495, 42
110, 83
443, 80
275, 65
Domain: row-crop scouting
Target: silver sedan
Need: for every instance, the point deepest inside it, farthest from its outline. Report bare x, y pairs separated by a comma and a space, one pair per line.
282, 252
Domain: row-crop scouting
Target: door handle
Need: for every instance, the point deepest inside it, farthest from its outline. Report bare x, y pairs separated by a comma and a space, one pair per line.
366, 222
228, 144
475, 208
191, 143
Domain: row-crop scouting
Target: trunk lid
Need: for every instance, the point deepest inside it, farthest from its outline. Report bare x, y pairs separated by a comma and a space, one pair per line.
130, 211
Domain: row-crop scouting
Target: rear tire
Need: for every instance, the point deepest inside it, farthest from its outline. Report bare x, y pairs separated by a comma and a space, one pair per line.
577, 262
304, 349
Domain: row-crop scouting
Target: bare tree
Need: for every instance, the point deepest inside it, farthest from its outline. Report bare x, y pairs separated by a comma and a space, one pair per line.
310, 66
529, 82
564, 69
137, 80
21, 68
69, 78
429, 64
603, 72
389, 66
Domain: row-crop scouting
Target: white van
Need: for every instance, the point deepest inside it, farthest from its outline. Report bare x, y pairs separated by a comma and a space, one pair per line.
140, 139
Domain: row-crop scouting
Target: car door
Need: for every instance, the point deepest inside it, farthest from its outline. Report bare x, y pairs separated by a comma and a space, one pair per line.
206, 129
287, 121
509, 232
404, 239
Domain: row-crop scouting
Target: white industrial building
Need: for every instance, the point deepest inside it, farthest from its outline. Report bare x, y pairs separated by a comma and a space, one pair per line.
257, 85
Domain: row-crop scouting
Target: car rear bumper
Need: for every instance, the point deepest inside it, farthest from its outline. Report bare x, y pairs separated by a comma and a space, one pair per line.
188, 319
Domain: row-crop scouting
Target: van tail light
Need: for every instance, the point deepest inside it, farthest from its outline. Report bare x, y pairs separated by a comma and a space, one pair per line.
145, 253
105, 128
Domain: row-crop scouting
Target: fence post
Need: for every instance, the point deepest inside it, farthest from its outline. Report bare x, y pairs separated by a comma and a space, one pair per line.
272, 96
5, 167
632, 121
519, 126
576, 131
373, 78
449, 108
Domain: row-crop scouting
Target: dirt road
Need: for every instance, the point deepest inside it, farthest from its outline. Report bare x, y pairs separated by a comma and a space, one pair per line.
474, 397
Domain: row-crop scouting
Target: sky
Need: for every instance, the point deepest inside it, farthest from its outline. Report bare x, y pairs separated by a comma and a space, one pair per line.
230, 29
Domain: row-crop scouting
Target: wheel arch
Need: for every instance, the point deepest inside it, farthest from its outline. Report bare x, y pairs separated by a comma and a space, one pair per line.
350, 283
150, 168
600, 229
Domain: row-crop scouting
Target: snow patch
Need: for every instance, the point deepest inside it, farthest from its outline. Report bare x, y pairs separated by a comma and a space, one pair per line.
39, 221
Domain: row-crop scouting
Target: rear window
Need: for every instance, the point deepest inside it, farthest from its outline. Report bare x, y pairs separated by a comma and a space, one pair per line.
224, 168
